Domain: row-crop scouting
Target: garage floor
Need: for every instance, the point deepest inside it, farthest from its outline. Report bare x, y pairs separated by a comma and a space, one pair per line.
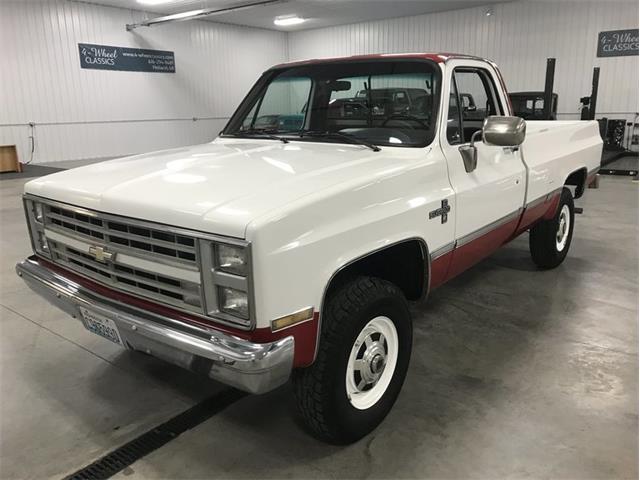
515, 373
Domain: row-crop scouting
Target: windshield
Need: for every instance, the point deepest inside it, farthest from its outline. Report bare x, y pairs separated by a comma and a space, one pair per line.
379, 102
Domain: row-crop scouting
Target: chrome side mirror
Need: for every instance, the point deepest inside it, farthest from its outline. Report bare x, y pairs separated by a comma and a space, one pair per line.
503, 131
497, 131
470, 154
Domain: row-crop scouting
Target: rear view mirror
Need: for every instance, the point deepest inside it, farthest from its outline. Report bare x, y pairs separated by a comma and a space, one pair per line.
340, 85
503, 131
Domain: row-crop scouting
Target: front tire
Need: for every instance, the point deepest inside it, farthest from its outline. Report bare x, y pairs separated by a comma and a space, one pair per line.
549, 240
362, 361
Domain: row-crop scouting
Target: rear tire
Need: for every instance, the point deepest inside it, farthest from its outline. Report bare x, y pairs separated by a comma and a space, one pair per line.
549, 240
362, 361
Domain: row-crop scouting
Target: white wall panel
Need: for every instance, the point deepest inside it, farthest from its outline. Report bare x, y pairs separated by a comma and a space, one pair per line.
82, 113
519, 36
90, 113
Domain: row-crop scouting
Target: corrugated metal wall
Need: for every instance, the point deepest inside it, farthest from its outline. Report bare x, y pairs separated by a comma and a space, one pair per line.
519, 36
90, 113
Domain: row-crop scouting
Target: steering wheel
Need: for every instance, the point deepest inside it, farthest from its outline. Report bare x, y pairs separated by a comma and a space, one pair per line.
404, 116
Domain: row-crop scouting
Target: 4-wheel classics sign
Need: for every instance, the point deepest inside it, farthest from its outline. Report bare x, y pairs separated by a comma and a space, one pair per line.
105, 57
618, 43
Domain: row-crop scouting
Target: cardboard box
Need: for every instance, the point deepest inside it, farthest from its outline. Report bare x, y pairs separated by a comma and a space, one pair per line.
9, 159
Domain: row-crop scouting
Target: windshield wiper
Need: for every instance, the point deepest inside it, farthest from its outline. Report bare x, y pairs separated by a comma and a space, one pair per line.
345, 136
259, 132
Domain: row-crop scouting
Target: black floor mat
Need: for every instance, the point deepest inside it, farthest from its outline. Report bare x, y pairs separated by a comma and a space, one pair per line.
30, 171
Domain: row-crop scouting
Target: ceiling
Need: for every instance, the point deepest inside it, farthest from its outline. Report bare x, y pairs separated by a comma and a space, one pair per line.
319, 13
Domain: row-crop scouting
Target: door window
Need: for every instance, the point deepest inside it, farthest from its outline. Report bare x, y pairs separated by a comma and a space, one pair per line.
475, 98
454, 132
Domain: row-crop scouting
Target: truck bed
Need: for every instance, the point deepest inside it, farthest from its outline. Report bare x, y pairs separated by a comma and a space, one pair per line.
554, 149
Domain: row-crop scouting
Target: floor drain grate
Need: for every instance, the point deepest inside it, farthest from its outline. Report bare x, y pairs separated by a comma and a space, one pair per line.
123, 456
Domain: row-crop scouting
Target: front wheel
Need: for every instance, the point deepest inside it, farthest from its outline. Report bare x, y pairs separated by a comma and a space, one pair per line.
549, 240
363, 356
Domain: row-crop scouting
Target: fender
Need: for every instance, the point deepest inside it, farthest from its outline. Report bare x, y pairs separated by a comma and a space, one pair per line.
423, 295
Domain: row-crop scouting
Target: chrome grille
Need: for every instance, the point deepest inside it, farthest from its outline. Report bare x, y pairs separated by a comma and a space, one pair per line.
78, 229
150, 284
153, 242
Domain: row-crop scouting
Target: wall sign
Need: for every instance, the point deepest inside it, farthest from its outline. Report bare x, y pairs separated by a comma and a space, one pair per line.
105, 57
618, 43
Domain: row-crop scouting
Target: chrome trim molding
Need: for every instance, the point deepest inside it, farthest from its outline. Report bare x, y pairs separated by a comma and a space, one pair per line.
487, 228
537, 201
449, 247
252, 367
543, 198
443, 250
213, 278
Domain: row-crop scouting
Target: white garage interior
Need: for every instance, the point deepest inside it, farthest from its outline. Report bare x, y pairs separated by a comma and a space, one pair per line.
515, 371
83, 114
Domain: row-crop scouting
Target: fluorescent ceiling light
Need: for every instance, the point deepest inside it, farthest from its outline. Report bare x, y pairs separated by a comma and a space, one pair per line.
288, 21
183, 15
155, 2
203, 12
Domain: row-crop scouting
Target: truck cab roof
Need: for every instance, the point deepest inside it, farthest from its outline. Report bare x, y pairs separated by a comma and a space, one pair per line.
441, 57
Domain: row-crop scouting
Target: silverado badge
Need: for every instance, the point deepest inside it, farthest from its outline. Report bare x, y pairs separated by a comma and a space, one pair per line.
441, 212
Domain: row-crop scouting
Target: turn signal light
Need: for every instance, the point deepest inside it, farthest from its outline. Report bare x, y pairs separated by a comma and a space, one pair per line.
294, 318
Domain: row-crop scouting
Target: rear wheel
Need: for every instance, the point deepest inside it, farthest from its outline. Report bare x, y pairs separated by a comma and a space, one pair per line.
549, 240
363, 356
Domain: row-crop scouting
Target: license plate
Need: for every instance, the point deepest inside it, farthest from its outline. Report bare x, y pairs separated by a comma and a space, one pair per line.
100, 325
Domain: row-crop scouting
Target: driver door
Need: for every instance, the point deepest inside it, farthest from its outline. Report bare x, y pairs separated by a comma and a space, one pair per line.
489, 200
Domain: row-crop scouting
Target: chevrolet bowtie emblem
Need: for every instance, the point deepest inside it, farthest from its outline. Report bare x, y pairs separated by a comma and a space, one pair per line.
100, 254
441, 212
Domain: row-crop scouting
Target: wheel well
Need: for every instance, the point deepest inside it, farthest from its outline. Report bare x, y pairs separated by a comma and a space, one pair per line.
579, 179
403, 264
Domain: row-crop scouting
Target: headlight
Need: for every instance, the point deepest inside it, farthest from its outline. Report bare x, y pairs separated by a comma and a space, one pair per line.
231, 259
234, 302
227, 281
37, 212
35, 221
41, 242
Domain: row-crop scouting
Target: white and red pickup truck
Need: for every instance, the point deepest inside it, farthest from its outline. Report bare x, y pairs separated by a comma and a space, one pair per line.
290, 245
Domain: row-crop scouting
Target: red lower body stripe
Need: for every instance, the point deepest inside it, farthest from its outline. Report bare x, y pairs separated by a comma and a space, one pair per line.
453, 263
469, 254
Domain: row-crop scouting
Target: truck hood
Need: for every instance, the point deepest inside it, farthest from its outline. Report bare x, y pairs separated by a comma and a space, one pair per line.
219, 187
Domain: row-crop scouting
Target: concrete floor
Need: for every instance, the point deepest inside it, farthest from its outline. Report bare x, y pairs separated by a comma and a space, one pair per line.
515, 373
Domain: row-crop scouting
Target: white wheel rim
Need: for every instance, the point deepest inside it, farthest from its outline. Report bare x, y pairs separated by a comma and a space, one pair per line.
372, 362
564, 222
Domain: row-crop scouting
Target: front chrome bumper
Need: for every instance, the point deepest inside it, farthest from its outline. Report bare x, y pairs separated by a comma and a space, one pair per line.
252, 367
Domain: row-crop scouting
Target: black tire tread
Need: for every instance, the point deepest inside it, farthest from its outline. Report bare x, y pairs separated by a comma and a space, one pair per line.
542, 236
308, 382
